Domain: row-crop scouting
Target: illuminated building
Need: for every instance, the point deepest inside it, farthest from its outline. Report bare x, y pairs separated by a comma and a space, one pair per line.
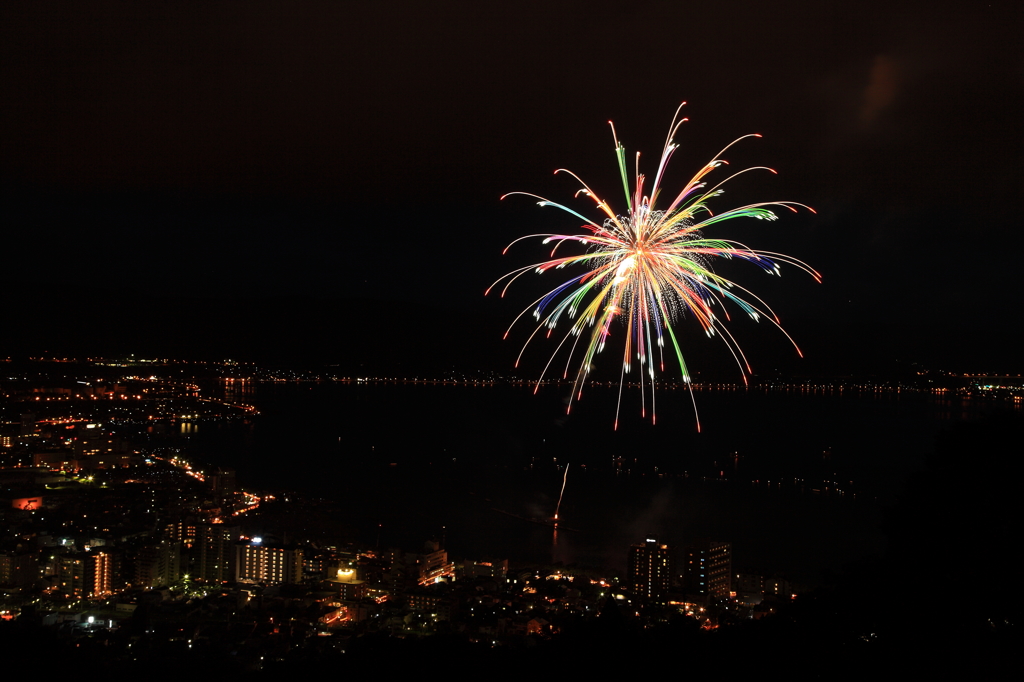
182, 531
439, 606
88, 574
349, 587
216, 543
97, 448
209, 549
56, 459
258, 563
489, 569
649, 573
433, 565
708, 569
424, 569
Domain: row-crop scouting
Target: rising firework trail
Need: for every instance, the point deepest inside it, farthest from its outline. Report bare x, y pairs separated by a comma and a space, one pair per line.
649, 268
561, 494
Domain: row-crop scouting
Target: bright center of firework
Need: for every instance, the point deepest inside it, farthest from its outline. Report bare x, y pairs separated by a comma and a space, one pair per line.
624, 268
641, 250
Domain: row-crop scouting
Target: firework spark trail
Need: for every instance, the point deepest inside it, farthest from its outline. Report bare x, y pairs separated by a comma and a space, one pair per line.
650, 267
564, 479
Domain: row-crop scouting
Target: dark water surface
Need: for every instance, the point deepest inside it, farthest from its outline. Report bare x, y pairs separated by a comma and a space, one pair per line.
482, 467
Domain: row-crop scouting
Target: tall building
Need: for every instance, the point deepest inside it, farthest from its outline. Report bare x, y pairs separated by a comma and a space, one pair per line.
649, 572
98, 448
86, 574
208, 548
20, 569
216, 545
433, 564
183, 531
157, 564
708, 569
269, 565
222, 481
424, 569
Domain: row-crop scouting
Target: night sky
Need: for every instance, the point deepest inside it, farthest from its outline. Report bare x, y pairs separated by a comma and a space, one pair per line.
264, 177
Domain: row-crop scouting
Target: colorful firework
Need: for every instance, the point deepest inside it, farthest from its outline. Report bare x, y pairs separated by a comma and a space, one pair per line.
649, 267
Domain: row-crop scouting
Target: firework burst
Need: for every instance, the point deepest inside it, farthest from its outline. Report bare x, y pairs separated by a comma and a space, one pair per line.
649, 268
